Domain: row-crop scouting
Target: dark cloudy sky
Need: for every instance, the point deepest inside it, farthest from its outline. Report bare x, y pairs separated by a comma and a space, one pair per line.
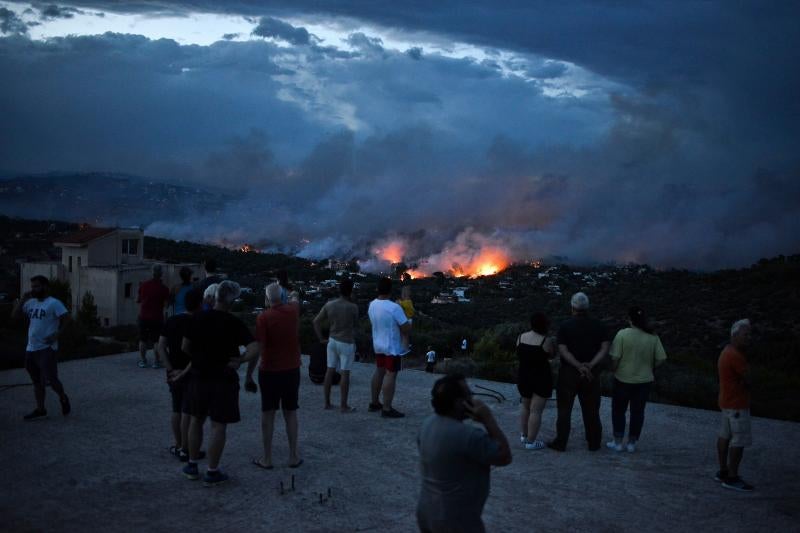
664, 132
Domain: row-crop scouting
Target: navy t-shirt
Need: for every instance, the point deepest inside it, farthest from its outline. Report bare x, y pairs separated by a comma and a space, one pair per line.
582, 336
175, 329
216, 337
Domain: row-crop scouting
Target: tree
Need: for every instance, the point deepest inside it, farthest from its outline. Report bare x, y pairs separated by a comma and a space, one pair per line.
60, 290
87, 313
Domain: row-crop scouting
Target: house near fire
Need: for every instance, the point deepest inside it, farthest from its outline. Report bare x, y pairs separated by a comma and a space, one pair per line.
107, 262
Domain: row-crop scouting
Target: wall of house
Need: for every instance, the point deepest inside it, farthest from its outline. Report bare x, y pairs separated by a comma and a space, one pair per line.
105, 251
102, 283
127, 259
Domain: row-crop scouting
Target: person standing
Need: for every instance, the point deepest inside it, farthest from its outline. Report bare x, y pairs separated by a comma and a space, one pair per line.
389, 323
342, 317
534, 378
734, 402
430, 359
212, 343
456, 459
582, 344
277, 330
635, 352
178, 294
153, 296
47, 318
169, 347
210, 266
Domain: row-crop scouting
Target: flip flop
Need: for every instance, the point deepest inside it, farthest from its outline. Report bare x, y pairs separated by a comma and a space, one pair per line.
259, 464
297, 464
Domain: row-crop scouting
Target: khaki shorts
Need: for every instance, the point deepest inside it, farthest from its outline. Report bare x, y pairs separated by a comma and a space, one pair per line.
735, 427
340, 354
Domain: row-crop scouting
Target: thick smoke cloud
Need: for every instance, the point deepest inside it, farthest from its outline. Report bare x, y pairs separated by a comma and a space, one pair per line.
662, 149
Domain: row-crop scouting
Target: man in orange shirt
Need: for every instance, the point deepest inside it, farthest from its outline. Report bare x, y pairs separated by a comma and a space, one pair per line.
734, 402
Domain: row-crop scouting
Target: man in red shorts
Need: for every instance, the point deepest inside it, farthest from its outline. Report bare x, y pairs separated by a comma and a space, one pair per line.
389, 322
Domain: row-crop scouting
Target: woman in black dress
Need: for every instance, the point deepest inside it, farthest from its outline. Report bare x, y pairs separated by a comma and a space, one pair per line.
534, 378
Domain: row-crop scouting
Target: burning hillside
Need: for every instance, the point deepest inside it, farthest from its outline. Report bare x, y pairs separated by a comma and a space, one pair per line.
470, 254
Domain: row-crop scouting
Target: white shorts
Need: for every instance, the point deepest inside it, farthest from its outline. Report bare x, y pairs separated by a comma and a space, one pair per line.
341, 354
735, 427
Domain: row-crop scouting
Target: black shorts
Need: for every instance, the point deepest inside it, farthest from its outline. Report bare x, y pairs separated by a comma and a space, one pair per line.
279, 389
217, 399
42, 366
150, 330
179, 390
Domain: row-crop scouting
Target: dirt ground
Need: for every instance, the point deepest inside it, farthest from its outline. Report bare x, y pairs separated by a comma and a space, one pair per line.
107, 467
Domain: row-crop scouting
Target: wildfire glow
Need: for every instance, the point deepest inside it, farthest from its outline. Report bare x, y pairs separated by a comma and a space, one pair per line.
245, 248
393, 251
416, 274
487, 261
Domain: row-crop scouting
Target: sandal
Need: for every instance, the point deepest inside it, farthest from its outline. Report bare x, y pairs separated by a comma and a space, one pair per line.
259, 464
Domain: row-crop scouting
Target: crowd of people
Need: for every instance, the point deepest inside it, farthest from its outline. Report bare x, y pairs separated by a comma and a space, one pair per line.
202, 345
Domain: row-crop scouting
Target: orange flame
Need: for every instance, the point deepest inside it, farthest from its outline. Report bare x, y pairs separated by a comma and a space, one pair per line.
488, 261
393, 251
245, 248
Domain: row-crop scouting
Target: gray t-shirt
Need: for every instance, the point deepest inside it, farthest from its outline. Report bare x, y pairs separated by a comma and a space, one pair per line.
342, 315
455, 460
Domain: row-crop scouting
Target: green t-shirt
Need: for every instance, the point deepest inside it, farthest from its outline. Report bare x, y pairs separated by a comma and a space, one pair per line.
638, 353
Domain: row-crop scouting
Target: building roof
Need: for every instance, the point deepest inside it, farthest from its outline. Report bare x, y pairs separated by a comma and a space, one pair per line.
85, 235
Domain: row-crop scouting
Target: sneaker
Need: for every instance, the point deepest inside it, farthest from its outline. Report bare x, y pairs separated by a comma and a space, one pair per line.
375, 407
142, 364
630, 447
737, 483
36, 413
523, 438
183, 455
553, 445
392, 413
535, 445
191, 472
214, 478
612, 445
720, 475
65, 406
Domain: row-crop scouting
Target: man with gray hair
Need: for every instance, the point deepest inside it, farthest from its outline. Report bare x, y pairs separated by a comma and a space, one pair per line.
734, 402
582, 344
277, 330
153, 297
212, 342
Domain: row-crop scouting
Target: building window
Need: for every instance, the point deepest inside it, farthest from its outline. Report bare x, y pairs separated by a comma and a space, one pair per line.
69, 263
130, 246
128, 290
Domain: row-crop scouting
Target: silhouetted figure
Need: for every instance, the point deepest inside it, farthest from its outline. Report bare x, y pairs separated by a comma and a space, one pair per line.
635, 352
153, 297
212, 343
47, 317
279, 371
734, 402
582, 344
534, 378
389, 323
341, 314
456, 459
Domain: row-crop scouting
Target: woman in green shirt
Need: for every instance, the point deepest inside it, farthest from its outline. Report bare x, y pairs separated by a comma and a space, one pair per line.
635, 352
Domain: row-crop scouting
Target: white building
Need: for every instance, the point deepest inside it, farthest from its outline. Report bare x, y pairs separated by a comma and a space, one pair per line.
109, 263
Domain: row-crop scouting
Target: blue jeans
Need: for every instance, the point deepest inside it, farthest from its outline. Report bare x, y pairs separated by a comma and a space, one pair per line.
634, 394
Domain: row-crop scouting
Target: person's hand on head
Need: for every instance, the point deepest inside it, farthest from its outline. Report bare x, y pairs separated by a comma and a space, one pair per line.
477, 410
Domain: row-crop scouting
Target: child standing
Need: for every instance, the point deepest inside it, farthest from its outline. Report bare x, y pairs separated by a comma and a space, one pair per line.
408, 308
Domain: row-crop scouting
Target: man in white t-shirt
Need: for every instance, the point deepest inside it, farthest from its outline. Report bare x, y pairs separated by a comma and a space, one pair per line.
430, 359
47, 317
389, 322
